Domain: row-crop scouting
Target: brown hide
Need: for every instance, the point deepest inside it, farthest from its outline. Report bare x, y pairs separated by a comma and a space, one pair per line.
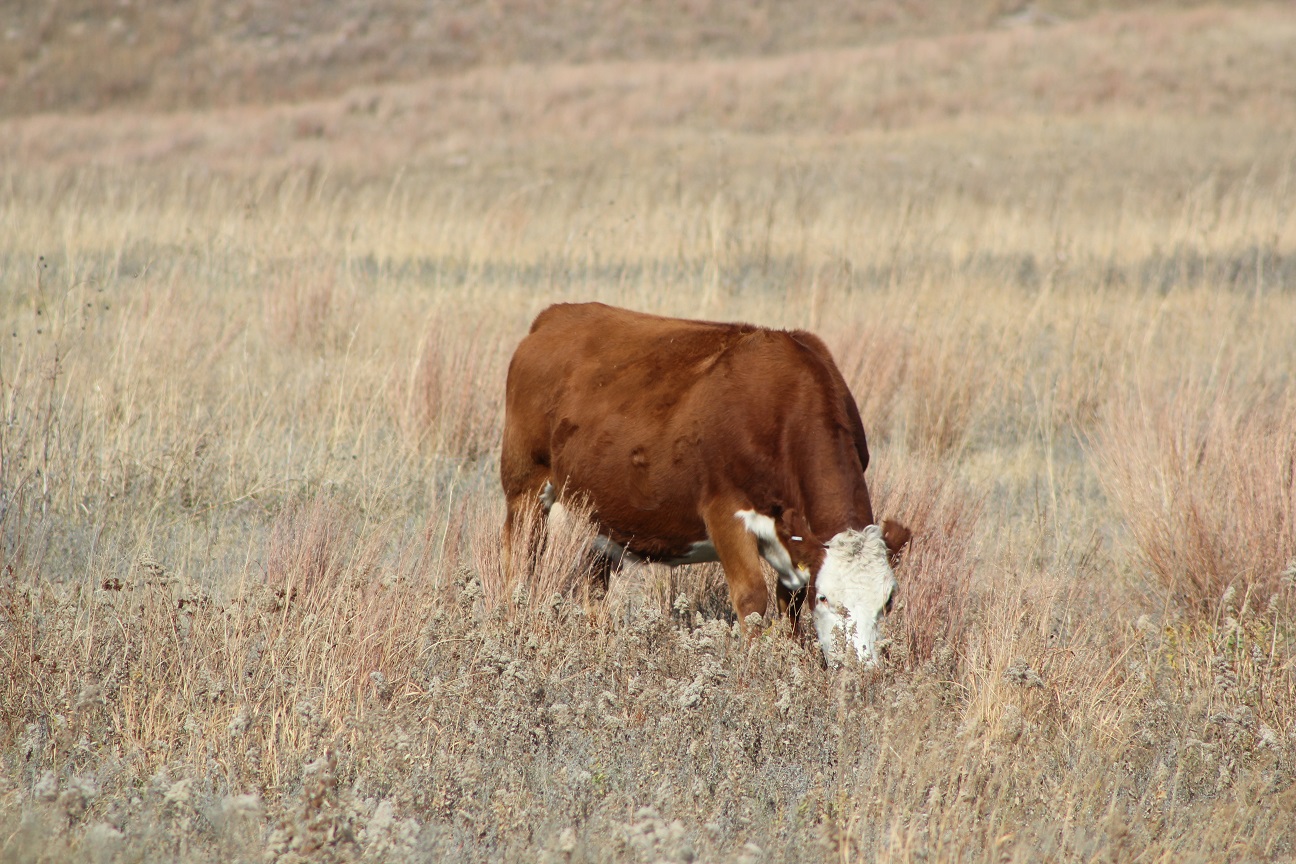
666, 428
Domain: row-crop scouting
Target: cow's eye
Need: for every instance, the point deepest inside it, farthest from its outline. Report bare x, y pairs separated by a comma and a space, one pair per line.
823, 598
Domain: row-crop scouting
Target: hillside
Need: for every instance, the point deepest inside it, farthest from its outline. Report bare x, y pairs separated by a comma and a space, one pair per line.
80, 55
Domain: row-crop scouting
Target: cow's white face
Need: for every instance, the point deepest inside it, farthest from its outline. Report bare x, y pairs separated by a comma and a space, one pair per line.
852, 590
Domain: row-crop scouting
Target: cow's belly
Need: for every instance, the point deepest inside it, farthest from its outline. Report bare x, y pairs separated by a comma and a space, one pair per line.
665, 536
643, 490
700, 552
671, 534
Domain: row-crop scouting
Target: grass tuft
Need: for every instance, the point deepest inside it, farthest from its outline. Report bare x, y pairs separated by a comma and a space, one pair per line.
936, 571
1204, 475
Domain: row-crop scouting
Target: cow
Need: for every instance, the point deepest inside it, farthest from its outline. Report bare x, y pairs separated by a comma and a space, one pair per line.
692, 441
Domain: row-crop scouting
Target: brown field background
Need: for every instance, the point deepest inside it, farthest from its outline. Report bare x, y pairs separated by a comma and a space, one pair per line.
260, 277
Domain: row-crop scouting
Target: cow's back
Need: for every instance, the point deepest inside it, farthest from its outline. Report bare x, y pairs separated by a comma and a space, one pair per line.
603, 343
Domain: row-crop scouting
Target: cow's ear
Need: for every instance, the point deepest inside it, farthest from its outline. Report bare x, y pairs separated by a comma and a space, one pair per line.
895, 536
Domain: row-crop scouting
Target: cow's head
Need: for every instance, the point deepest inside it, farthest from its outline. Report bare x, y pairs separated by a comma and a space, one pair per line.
854, 588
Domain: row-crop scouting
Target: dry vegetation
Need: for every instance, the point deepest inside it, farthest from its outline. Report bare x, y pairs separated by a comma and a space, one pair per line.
251, 606
188, 53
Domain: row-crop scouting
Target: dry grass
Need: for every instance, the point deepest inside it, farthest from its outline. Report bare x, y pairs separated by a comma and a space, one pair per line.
436, 407
941, 560
251, 601
1205, 476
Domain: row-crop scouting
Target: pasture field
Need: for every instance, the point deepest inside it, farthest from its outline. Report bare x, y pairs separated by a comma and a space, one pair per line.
251, 379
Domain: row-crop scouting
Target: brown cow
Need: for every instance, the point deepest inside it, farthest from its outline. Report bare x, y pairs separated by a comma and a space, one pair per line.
698, 441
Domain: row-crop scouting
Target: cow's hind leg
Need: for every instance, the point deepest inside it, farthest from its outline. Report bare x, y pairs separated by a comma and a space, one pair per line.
739, 554
523, 534
528, 495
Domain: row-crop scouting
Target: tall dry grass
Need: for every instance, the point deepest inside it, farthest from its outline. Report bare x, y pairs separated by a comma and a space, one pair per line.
437, 400
938, 568
1204, 473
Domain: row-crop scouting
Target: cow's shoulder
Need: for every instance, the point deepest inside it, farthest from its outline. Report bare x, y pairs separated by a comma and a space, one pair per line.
838, 397
816, 351
811, 342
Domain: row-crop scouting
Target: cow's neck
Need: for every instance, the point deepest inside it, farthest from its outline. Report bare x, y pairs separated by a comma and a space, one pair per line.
834, 494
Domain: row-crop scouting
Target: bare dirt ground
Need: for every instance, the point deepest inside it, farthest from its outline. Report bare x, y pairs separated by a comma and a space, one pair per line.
261, 272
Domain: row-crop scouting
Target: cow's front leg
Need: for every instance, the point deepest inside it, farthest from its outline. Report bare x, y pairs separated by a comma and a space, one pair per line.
739, 555
789, 604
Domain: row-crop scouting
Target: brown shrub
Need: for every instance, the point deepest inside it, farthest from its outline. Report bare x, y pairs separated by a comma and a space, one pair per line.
1205, 479
935, 573
343, 605
452, 398
308, 549
303, 307
926, 392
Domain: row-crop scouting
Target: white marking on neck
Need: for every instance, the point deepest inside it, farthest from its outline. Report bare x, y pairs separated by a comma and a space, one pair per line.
772, 549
